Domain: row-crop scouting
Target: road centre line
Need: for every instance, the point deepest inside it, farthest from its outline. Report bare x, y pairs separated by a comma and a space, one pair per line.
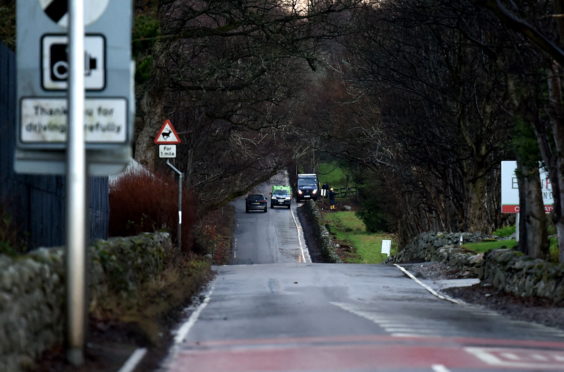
133, 360
187, 326
429, 289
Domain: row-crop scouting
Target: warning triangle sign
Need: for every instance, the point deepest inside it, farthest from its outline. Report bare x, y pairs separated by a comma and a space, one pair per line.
167, 135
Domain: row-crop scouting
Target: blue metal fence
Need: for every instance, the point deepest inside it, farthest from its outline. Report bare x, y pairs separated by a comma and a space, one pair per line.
36, 203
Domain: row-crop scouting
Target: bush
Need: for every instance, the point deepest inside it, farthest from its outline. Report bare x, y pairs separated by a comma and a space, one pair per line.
143, 202
11, 242
505, 231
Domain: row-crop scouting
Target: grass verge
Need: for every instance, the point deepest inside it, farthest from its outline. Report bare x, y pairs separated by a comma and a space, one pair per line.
486, 246
357, 245
482, 247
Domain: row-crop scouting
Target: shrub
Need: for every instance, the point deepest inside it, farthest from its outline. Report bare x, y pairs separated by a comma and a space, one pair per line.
504, 231
11, 242
144, 202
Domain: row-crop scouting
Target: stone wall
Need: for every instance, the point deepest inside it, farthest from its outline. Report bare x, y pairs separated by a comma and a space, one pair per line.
505, 269
32, 290
326, 244
523, 276
426, 245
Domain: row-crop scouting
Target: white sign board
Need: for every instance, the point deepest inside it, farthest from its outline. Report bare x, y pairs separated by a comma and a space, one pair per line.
44, 120
55, 65
57, 10
510, 188
42, 83
167, 151
386, 247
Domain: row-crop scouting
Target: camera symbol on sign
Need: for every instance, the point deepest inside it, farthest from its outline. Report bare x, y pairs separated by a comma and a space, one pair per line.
59, 62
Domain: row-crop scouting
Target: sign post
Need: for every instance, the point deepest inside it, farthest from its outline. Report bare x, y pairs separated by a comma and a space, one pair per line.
167, 138
180, 179
75, 254
74, 112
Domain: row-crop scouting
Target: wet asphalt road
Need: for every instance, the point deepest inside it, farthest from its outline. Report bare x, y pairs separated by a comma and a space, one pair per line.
272, 237
280, 314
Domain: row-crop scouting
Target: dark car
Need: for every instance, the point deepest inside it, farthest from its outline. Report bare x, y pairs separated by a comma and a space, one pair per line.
255, 202
307, 188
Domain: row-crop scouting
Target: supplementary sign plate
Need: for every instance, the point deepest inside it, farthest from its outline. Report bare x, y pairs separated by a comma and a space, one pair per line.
167, 151
44, 120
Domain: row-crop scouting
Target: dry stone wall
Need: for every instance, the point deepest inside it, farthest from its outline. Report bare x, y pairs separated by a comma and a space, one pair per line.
505, 269
327, 245
524, 276
32, 290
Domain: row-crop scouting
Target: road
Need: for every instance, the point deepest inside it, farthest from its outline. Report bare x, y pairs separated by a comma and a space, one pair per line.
272, 237
281, 314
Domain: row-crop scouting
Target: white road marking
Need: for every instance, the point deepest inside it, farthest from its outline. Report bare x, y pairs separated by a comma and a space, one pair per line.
519, 358
300, 235
409, 335
439, 368
429, 289
187, 326
409, 329
133, 360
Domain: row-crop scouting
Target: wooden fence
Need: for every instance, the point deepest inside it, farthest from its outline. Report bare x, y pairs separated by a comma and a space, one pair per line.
345, 192
36, 203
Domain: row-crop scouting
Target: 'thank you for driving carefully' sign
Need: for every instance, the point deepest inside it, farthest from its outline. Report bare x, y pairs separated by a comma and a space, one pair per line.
42, 75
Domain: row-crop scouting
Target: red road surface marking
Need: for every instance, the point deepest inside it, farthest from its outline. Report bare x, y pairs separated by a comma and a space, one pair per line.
365, 352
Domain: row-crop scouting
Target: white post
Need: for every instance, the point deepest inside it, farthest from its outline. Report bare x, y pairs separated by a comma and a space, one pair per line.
386, 247
180, 178
517, 218
75, 257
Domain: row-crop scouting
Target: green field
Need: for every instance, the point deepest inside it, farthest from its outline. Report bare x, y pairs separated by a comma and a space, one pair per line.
348, 229
332, 174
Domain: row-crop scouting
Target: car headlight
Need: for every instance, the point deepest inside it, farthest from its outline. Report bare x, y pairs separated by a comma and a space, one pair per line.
287, 198
314, 191
300, 192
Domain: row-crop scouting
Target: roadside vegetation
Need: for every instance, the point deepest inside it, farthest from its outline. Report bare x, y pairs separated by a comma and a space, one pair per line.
334, 174
357, 245
11, 241
141, 202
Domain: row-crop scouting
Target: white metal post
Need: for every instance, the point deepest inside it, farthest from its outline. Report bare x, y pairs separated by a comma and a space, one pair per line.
517, 223
180, 178
75, 257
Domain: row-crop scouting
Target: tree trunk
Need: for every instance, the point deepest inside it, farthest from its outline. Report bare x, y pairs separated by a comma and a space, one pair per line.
533, 239
557, 176
556, 161
477, 206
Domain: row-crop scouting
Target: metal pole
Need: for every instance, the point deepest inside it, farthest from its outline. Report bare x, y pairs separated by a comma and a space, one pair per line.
75, 257
517, 223
179, 232
180, 178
